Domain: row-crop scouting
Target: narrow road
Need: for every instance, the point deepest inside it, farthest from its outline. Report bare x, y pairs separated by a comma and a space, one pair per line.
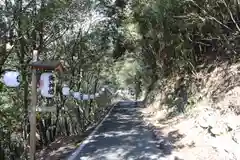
122, 136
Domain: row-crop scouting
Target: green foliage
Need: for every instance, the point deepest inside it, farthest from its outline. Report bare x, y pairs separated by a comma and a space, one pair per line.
56, 30
120, 43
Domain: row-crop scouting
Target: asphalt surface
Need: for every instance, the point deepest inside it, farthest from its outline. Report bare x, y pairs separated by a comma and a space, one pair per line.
122, 136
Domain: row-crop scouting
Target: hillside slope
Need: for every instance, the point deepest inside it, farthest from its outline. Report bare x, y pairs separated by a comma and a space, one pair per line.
209, 128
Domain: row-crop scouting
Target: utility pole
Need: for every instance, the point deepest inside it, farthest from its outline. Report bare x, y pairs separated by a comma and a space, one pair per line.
32, 117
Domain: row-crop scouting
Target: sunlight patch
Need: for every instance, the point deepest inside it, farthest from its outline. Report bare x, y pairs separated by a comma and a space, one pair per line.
121, 133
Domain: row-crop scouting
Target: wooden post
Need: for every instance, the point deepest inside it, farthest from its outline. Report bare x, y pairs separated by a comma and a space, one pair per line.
32, 117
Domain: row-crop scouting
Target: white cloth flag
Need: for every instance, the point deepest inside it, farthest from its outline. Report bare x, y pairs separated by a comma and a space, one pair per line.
85, 97
77, 95
91, 96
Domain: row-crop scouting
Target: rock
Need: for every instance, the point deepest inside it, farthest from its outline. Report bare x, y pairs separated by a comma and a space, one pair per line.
215, 131
225, 146
203, 123
218, 127
177, 158
190, 143
232, 122
236, 137
208, 119
218, 130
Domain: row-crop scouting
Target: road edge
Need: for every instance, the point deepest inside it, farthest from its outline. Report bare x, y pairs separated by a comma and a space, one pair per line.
87, 140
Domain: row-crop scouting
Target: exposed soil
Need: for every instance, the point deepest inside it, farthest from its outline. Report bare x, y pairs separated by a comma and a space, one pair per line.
210, 130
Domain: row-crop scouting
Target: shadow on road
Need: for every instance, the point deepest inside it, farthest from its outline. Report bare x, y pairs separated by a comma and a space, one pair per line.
123, 136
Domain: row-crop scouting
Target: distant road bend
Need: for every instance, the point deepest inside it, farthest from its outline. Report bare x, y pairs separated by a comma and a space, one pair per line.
121, 136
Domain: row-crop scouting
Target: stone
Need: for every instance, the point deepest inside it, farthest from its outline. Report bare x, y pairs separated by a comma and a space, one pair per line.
236, 137
203, 123
219, 130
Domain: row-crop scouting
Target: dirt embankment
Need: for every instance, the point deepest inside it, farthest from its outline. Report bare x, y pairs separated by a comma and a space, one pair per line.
210, 127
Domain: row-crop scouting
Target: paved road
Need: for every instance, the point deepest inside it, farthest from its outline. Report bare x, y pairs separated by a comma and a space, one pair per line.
122, 136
